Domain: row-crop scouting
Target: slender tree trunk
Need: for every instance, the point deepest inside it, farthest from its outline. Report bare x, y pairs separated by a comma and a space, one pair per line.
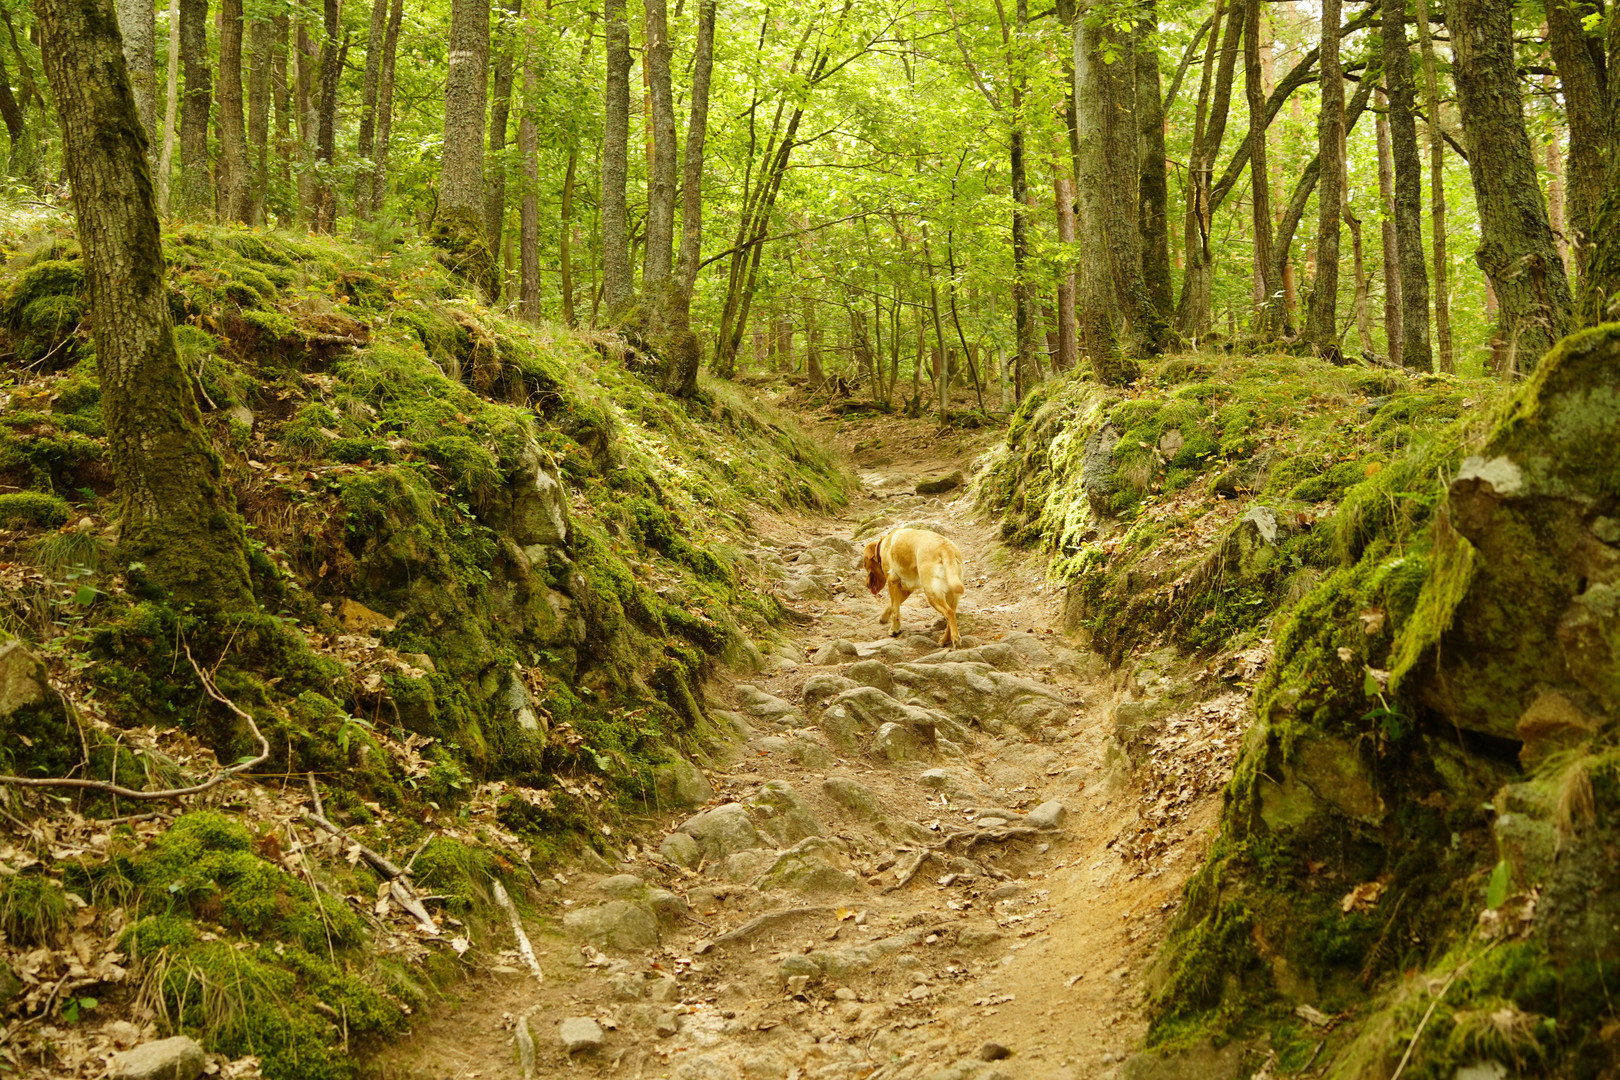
137, 23
459, 227
529, 215
1153, 184
333, 55
308, 64
1142, 332
1321, 325
16, 123
658, 257
1416, 352
1586, 88
365, 182
1516, 248
196, 192
1555, 199
617, 286
1363, 308
1259, 178
385, 106
1600, 285
1437, 191
696, 135
1096, 300
1393, 324
500, 111
566, 239
281, 91
1193, 312
234, 189
178, 516
171, 104
1068, 356
261, 46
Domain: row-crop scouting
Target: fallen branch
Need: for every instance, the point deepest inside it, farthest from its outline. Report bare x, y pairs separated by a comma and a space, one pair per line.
524, 948
399, 884
756, 924
171, 793
1418, 1034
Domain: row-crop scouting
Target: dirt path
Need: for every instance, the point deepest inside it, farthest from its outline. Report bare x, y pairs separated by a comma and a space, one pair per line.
988, 780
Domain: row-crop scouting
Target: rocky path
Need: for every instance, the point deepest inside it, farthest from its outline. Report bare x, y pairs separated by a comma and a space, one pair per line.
902, 862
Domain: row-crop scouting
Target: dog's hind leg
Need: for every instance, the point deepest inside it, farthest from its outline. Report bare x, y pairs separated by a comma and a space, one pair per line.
897, 596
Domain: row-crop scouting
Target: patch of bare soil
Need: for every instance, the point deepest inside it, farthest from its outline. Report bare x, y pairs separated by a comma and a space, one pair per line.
986, 908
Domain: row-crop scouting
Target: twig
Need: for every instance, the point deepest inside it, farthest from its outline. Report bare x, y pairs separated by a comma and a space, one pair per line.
171, 793
421, 848
156, 815
911, 871
315, 794
1418, 1034
524, 948
42, 1014
756, 924
399, 884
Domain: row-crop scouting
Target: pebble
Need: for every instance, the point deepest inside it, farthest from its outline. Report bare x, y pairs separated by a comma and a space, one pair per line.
178, 1058
580, 1034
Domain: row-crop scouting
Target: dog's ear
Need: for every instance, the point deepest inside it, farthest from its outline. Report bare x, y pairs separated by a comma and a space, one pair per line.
876, 579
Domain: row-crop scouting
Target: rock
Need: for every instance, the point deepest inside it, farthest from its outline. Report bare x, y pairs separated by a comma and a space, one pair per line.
872, 708
745, 866
898, 744
580, 1035
993, 1051
1136, 722
663, 989
665, 905
1552, 723
705, 1067
841, 726
841, 963
809, 874
977, 693
533, 507
1048, 815
1484, 1070
971, 937
178, 1058
959, 784
874, 673
359, 619
770, 744
853, 797
940, 484
1321, 769
835, 652
242, 415
724, 830
757, 702
819, 689
1200, 1062
786, 817
623, 887
1096, 474
805, 587
10, 984
810, 753
997, 654
618, 924
627, 986
666, 1025
735, 723
679, 784
681, 849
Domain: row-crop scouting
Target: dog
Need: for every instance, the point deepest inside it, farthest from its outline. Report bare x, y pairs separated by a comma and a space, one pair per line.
907, 560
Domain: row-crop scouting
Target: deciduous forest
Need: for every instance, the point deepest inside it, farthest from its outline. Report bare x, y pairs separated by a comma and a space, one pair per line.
463, 468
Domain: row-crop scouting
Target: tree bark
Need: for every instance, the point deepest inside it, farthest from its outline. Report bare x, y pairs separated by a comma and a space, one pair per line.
1600, 286
365, 181
617, 287
1393, 322
566, 239
1437, 191
234, 189
1363, 308
1416, 352
138, 25
16, 123
1266, 322
1321, 325
1068, 355
1142, 332
500, 112
658, 256
261, 47
1193, 310
171, 106
1153, 182
282, 94
304, 91
178, 516
333, 56
696, 135
529, 214
196, 192
1516, 248
385, 106
459, 228
1586, 87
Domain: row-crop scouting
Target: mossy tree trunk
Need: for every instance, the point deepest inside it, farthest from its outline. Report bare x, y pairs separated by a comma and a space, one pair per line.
234, 192
261, 53
1095, 299
1581, 78
333, 58
500, 115
385, 105
1266, 322
137, 23
1516, 248
366, 139
529, 213
459, 226
196, 192
1416, 352
171, 105
1153, 184
178, 517
1600, 286
1321, 323
16, 124
1437, 191
658, 257
617, 287
1394, 326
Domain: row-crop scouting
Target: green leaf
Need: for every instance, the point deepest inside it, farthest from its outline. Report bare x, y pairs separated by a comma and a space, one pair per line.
1369, 685
85, 596
1496, 891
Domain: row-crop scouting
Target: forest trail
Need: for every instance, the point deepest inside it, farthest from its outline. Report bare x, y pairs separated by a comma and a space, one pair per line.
1020, 925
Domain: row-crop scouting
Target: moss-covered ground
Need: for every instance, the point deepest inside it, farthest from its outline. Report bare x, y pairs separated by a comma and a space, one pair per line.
494, 568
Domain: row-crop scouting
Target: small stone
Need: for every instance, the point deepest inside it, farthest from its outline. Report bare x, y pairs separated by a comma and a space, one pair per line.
666, 1025
873, 673
1007, 891
993, 1051
938, 485
854, 797
920, 992
178, 1058
835, 652
627, 986
1048, 815
681, 849
844, 993
623, 887
617, 924
808, 752
580, 1034
664, 989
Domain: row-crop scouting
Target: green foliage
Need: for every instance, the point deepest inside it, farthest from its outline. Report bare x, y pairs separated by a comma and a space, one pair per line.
32, 508
33, 909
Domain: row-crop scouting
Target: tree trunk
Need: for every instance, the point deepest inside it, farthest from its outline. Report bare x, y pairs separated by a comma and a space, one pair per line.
171, 105
365, 182
658, 256
332, 59
281, 91
1142, 331
304, 92
16, 123
696, 135
1516, 248
1416, 353
1363, 308
566, 238
1266, 322
196, 192
1153, 182
500, 111
1393, 324
234, 188
138, 25
529, 215
1600, 286
1586, 88
459, 227
261, 46
1321, 324
1437, 190
617, 287
178, 516
385, 106
1068, 355
1193, 311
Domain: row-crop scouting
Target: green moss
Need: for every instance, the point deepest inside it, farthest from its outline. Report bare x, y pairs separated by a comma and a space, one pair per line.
33, 909
33, 508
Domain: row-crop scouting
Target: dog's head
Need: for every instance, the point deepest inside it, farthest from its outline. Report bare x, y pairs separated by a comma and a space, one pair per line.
876, 579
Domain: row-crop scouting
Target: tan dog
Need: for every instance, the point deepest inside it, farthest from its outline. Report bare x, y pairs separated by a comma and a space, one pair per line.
907, 560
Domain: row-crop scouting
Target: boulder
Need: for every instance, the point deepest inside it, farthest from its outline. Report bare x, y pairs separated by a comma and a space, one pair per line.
853, 797
997, 654
760, 703
178, 1058
873, 673
680, 784
618, 924
722, 831
622, 887
809, 752
976, 693
899, 744
1097, 471
809, 874
532, 507
938, 485
745, 866
784, 815
1048, 815
805, 587
835, 652
819, 689
580, 1035
681, 849
959, 785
